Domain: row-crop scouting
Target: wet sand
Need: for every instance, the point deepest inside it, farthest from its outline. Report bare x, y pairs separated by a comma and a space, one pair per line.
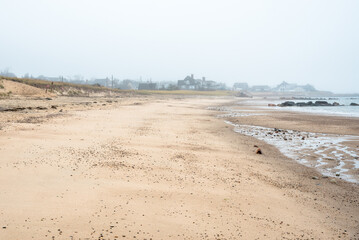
158, 168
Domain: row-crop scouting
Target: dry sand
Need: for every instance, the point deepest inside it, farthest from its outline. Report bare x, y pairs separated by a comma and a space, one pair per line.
157, 168
21, 89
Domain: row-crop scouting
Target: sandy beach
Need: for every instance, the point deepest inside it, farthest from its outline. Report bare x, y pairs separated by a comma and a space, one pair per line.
162, 167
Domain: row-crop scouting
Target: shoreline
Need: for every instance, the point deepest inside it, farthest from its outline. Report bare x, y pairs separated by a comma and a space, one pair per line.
272, 104
310, 144
160, 168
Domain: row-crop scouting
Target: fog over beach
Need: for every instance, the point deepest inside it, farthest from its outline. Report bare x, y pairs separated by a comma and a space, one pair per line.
154, 119
259, 42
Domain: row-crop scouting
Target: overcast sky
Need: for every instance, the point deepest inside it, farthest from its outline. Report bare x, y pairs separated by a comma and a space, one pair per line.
254, 41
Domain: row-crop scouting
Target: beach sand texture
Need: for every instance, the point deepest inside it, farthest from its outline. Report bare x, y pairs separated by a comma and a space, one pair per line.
158, 168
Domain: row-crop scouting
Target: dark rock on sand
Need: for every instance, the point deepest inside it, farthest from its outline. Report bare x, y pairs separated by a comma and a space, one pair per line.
288, 104
354, 104
322, 103
302, 104
308, 104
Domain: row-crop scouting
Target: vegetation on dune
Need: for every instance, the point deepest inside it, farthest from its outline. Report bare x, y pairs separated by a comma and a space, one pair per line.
44, 84
5, 95
185, 92
72, 89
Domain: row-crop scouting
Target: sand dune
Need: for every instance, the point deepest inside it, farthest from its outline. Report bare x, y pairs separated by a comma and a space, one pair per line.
21, 89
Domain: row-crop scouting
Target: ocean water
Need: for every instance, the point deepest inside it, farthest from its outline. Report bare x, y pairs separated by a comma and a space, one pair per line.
345, 110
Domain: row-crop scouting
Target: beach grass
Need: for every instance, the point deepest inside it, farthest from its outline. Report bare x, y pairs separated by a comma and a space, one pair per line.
45, 84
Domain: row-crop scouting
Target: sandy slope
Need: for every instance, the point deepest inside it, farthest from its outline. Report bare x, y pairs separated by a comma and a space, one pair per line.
164, 169
22, 89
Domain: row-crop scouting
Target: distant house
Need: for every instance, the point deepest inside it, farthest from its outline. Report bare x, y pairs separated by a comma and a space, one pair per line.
285, 87
260, 88
291, 87
190, 83
147, 86
309, 88
240, 86
128, 84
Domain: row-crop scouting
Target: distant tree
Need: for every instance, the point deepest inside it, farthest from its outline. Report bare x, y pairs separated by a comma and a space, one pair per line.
78, 77
6, 73
26, 75
172, 87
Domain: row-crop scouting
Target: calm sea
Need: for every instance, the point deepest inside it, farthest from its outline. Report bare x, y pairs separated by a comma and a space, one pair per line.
346, 110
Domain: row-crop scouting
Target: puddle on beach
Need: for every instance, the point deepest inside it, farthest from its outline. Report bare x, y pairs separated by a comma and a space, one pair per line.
333, 155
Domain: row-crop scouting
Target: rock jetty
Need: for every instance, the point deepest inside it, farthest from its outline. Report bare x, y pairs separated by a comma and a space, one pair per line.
308, 104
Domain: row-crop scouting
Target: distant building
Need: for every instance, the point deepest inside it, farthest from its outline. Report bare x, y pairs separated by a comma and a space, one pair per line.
147, 86
240, 86
128, 84
190, 83
292, 87
260, 88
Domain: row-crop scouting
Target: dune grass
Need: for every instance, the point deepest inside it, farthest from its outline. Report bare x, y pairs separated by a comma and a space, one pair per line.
185, 92
60, 86
55, 85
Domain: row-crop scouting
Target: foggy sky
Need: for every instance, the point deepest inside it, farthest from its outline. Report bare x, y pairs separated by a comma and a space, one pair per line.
259, 42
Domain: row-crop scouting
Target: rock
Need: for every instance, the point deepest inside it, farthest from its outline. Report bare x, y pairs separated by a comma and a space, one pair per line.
271, 105
288, 104
54, 107
354, 104
322, 103
60, 110
301, 104
48, 98
336, 104
315, 178
333, 180
337, 174
310, 103
255, 146
258, 151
